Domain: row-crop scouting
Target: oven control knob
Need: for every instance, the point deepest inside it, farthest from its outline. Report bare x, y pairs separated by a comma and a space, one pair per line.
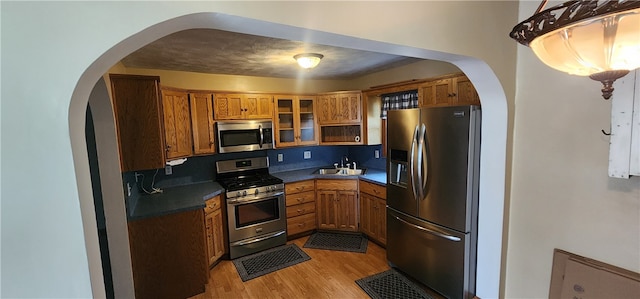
268, 188
244, 193
238, 194
257, 191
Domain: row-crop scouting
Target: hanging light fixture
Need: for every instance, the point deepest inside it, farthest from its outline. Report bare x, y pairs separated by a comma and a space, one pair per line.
308, 60
595, 38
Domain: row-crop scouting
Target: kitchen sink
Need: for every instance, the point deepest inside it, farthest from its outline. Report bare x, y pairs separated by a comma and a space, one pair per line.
340, 171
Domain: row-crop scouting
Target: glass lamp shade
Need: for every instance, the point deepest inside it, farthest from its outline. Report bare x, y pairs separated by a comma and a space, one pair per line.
308, 60
602, 44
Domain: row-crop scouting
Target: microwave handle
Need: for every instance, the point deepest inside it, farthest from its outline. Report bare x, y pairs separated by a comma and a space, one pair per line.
261, 135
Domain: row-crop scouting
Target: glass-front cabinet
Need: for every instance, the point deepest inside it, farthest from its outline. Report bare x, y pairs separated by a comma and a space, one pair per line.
295, 121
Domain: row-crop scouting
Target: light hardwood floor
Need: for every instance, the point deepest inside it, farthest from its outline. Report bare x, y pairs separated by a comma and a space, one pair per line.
329, 274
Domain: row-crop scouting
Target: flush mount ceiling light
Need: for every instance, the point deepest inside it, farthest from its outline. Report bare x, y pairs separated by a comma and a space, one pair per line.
599, 39
308, 60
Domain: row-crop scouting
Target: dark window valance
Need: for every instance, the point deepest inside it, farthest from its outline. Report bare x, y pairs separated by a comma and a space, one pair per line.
399, 100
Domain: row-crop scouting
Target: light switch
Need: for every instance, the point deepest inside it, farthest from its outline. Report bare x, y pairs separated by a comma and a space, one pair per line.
307, 154
280, 158
376, 153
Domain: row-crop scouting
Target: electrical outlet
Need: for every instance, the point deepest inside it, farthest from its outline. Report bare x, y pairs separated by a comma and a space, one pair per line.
168, 170
128, 189
376, 153
280, 158
307, 154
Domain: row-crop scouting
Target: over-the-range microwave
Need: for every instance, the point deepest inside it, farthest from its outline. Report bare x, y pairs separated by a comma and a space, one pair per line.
244, 135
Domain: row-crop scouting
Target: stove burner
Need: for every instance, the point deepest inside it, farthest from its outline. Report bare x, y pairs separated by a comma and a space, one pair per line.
247, 182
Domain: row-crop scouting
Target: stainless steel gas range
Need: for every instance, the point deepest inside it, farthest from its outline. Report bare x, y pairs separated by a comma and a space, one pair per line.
255, 205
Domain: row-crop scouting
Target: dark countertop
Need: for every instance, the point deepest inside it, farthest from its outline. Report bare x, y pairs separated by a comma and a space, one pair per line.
192, 197
174, 200
375, 176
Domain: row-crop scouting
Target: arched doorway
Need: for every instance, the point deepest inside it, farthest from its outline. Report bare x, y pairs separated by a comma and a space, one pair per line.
92, 88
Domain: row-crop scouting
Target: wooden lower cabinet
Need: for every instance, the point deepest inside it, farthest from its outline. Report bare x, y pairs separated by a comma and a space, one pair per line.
167, 255
300, 201
214, 229
337, 204
373, 214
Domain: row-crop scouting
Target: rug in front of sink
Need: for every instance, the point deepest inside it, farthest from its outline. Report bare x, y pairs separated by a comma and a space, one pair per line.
338, 241
264, 262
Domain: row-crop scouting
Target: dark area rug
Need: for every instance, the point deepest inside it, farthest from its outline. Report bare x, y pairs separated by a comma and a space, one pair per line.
337, 241
271, 260
391, 284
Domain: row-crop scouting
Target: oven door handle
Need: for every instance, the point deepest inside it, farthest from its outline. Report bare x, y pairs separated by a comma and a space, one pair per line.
258, 239
261, 135
253, 199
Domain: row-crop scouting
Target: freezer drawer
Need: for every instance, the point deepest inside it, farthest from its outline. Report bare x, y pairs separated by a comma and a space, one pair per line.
442, 259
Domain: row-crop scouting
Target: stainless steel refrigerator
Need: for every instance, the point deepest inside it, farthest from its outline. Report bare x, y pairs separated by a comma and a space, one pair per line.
432, 196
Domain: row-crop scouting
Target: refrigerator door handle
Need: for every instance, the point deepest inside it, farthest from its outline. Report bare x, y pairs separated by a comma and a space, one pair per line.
421, 160
426, 230
414, 186
425, 161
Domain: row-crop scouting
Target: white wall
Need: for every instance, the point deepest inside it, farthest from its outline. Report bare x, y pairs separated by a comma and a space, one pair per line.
561, 194
54, 52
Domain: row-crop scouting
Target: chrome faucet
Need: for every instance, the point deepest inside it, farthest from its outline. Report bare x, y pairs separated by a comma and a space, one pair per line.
343, 160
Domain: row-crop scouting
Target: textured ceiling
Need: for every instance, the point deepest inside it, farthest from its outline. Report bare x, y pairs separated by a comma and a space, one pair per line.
223, 52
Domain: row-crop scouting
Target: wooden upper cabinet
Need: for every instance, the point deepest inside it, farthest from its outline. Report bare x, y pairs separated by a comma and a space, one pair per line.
449, 91
177, 123
466, 94
340, 108
243, 106
138, 113
295, 120
258, 106
202, 123
228, 106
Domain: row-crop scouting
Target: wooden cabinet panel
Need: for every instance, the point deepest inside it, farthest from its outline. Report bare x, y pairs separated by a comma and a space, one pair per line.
450, 91
326, 209
466, 93
257, 106
381, 216
301, 209
138, 114
167, 255
373, 189
228, 106
337, 204
340, 108
213, 204
242, 106
347, 209
298, 187
337, 185
214, 225
366, 214
300, 198
177, 124
301, 224
202, 123
218, 235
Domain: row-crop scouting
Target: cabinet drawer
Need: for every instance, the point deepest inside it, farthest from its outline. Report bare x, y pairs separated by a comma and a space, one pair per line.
297, 210
299, 198
298, 187
301, 224
212, 204
373, 189
338, 185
